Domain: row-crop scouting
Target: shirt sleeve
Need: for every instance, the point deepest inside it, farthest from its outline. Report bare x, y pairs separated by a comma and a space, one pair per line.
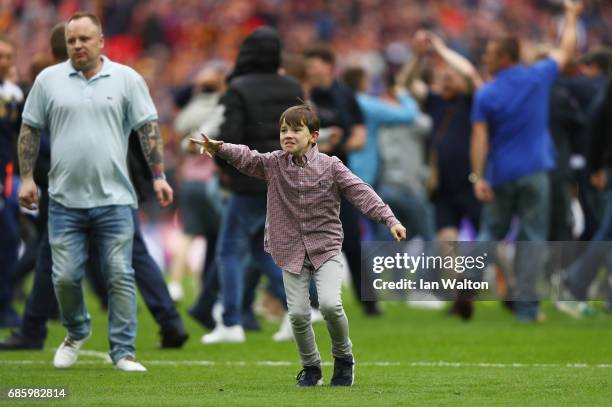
546, 70
362, 196
386, 113
140, 105
34, 112
249, 162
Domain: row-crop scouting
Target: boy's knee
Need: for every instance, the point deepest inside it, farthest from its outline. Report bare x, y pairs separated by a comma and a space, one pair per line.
331, 309
299, 318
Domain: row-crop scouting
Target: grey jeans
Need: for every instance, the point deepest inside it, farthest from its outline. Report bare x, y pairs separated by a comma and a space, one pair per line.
328, 280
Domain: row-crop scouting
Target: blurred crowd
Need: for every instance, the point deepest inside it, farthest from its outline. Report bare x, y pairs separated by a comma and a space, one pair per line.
169, 41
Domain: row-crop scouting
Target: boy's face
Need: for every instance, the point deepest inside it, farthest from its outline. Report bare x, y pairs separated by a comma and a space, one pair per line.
297, 140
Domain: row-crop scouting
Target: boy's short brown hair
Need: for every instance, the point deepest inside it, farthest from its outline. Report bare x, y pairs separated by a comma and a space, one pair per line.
300, 115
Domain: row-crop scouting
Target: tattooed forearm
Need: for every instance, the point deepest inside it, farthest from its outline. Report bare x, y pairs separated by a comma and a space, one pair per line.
27, 149
152, 147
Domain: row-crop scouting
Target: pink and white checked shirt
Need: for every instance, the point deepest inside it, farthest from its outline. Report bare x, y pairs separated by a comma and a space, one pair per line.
304, 202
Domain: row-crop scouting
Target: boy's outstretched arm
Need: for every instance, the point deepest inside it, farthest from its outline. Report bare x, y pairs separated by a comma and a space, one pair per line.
362, 196
247, 161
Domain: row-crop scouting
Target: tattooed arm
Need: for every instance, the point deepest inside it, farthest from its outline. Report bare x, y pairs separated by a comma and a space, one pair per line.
153, 150
27, 149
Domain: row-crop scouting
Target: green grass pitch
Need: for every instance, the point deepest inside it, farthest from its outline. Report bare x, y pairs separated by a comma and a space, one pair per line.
405, 358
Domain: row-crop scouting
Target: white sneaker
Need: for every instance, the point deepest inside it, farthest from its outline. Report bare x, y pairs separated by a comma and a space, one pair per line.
285, 332
176, 291
575, 309
315, 315
225, 334
129, 364
68, 352
425, 300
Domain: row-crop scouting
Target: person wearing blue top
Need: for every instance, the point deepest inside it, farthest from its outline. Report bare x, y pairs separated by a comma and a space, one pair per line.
90, 105
376, 112
394, 112
512, 151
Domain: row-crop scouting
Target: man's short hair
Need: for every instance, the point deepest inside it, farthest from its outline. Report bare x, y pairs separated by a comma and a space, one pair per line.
321, 52
353, 77
84, 14
600, 57
300, 115
58, 42
510, 46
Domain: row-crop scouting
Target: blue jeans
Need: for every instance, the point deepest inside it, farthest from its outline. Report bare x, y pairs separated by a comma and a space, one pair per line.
111, 229
149, 281
242, 223
583, 271
527, 198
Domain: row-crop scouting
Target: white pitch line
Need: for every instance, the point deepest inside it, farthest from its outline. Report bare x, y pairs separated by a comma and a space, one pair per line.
272, 363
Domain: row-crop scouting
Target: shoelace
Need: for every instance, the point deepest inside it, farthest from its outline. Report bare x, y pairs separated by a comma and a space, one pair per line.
70, 342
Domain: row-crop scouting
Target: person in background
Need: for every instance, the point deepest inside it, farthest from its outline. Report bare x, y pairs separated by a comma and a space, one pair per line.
342, 132
584, 269
512, 151
199, 205
255, 98
11, 102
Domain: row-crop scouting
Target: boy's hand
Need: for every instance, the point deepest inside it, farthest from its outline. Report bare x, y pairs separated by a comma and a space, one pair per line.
398, 232
208, 146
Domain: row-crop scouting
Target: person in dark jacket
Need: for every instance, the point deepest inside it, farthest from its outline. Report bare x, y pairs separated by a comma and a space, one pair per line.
584, 270
256, 97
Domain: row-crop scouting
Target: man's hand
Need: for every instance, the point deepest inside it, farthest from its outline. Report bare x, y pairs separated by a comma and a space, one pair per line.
599, 179
483, 191
208, 146
164, 192
28, 194
398, 232
573, 7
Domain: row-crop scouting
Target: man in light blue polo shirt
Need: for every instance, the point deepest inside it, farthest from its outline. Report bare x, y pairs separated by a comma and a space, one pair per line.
90, 104
510, 138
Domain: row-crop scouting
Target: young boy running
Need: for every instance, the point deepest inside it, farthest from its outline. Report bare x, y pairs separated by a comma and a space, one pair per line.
303, 230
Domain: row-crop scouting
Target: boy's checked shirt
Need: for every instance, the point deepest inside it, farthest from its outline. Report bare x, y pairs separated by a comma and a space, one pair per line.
304, 202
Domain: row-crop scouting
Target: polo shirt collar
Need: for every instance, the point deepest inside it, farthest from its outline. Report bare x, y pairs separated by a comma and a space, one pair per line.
105, 71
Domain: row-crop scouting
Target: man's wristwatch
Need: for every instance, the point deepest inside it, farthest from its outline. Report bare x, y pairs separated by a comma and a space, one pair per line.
159, 176
473, 178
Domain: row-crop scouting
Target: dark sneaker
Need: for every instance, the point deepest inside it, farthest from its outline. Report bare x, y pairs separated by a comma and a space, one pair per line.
309, 376
463, 308
344, 372
206, 320
173, 338
17, 341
